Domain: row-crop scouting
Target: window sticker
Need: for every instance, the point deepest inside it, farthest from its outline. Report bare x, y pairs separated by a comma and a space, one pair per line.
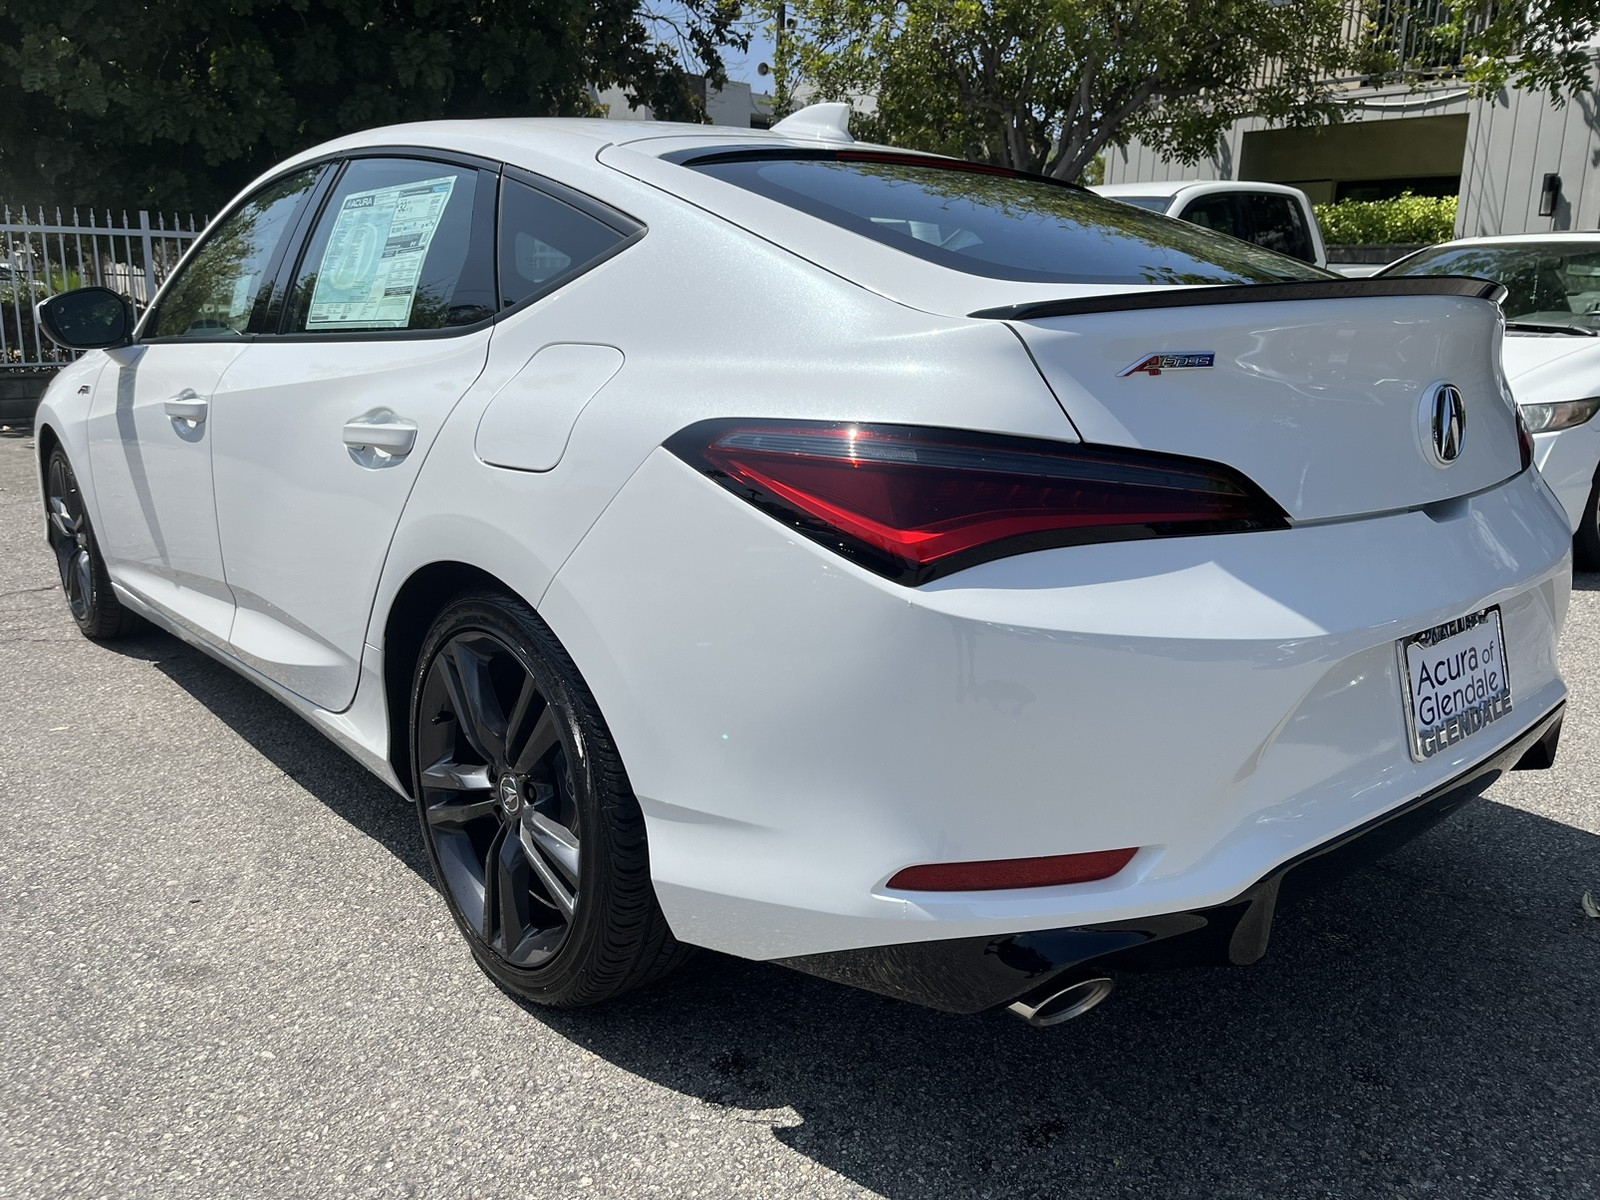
370, 270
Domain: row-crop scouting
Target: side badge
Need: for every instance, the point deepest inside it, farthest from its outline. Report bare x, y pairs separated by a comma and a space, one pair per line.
1154, 364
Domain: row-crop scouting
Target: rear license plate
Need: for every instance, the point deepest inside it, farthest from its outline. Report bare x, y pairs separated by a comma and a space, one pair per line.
1456, 681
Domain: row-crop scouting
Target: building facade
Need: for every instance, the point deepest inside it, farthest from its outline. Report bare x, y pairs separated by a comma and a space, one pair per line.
732, 104
1518, 162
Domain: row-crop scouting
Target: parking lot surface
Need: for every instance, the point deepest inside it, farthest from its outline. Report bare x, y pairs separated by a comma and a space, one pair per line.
224, 971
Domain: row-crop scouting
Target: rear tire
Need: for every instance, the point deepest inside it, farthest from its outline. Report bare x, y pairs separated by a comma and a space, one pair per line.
531, 826
1586, 542
84, 578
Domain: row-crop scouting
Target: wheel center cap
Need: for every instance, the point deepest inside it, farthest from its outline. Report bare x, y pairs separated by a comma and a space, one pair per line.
510, 795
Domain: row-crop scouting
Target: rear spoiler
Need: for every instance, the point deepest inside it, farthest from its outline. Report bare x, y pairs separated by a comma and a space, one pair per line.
1251, 293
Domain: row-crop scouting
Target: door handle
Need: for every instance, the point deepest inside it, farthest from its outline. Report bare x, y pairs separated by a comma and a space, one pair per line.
380, 430
188, 406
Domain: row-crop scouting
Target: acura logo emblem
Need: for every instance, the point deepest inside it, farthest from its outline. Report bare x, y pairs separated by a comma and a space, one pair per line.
1449, 422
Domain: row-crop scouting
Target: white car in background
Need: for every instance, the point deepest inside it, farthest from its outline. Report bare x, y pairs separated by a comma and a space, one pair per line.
1273, 215
823, 553
1551, 354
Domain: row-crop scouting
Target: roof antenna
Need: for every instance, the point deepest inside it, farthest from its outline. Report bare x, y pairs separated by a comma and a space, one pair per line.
824, 122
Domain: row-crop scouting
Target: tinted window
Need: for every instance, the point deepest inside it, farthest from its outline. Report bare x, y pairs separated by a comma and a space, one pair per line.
1278, 223
544, 241
1000, 224
1220, 213
401, 244
1546, 282
216, 292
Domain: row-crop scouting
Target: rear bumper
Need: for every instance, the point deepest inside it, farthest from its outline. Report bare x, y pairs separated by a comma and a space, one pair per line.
797, 732
968, 975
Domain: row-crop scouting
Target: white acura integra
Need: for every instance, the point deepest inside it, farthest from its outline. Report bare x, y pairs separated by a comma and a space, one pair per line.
821, 553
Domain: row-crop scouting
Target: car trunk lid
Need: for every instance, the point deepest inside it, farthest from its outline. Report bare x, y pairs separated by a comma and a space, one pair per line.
1324, 393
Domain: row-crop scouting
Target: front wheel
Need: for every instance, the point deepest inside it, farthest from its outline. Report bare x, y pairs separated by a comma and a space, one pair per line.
533, 831
83, 573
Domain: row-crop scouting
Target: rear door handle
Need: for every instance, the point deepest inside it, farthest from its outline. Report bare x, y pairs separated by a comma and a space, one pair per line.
188, 405
380, 430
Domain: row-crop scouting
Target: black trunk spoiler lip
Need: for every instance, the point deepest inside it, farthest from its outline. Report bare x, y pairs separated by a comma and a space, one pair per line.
1250, 293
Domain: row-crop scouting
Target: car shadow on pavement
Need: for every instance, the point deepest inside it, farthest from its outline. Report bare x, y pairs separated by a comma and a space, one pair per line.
280, 735
1426, 1026
1586, 581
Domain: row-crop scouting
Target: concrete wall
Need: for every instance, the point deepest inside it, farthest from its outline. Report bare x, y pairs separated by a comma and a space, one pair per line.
1138, 163
1317, 160
733, 105
19, 396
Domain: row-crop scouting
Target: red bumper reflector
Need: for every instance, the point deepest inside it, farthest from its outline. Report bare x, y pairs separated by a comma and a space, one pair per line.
1050, 871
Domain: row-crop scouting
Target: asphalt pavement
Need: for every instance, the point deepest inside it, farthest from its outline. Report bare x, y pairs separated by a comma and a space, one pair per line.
225, 972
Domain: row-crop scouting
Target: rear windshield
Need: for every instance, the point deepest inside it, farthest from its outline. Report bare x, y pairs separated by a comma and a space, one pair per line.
999, 224
1547, 283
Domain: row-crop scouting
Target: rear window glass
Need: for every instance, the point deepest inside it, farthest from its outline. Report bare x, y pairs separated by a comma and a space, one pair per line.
1001, 225
1546, 282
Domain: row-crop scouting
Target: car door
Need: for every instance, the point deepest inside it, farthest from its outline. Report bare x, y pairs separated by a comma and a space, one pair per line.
320, 429
150, 441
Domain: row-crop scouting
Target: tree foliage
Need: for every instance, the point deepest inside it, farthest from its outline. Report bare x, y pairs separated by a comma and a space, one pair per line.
1543, 45
177, 104
1045, 85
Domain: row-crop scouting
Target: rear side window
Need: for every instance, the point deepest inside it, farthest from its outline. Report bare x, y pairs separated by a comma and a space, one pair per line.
1278, 223
402, 244
1220, 213
999, 224
544, 242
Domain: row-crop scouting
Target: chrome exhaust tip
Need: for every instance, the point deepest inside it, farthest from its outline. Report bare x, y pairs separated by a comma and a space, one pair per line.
1071, 1001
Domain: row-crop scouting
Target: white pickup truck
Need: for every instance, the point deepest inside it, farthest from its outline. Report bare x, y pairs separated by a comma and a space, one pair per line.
1273, 215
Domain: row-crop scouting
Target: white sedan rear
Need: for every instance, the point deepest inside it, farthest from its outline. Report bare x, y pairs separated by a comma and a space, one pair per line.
1552, 354
821, 553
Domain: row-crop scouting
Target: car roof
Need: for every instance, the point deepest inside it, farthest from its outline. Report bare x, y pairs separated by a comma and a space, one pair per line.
529, 142
625, 164
1171, 187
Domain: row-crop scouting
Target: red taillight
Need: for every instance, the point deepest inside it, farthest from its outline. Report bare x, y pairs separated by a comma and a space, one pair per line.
914, 504
1051, 871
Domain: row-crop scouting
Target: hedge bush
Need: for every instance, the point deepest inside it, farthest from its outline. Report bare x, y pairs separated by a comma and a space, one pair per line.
1408, 219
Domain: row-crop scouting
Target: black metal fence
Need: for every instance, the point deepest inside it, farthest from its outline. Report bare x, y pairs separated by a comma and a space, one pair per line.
43, 253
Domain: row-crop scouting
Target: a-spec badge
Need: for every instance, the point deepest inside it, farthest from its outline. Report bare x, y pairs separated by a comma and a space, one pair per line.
1154, 364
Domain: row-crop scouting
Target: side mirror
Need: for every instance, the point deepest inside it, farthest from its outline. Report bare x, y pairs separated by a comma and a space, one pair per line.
92, 318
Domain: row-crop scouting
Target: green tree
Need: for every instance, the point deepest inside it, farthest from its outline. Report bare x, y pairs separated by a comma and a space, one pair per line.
1046, 85
1545, 45
179, 103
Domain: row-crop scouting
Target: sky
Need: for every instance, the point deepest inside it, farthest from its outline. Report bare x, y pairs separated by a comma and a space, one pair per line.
742, 67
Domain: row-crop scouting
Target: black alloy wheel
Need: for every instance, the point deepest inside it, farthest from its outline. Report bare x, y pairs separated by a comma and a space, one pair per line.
83, 572
534, 834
